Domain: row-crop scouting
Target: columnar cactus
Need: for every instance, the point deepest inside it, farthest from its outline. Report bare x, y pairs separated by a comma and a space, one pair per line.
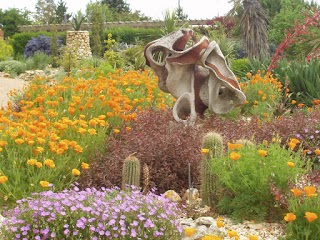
214, 142
131, 172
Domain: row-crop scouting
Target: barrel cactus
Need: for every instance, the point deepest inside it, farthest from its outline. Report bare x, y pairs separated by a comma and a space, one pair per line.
214, 143
131, 172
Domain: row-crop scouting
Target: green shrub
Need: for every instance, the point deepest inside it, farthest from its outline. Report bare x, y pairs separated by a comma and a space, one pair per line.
246, 178
130, 35
12, 67
39, 60
134, 57
304, 79
6, 51
240, 67
20, 40
304, 206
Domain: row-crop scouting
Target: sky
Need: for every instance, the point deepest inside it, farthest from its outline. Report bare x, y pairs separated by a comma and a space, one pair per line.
195, 9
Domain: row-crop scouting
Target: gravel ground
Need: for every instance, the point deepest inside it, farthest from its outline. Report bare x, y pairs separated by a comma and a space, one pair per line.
7, 85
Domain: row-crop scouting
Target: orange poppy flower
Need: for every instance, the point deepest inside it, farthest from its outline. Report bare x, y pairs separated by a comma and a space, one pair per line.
310, 216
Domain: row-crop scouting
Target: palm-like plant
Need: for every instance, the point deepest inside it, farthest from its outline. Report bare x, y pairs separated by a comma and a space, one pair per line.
253, 24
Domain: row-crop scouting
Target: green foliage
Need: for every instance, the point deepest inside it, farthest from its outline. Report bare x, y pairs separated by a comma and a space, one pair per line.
170, 22
129, 35
240, 67
130, 172
246, 181
54, 47
45, 11
61, 13
262, 95
285, 19
134, 57
300, 228
12, 67
303, 77
214, 143
6, 51
38, 61
113, 57
12, 18
68, 59
20, 40
97, 29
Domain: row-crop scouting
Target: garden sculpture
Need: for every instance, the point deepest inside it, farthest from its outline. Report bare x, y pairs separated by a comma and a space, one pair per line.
195, 73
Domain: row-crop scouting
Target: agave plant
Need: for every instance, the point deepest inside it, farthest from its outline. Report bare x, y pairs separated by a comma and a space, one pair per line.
77, 20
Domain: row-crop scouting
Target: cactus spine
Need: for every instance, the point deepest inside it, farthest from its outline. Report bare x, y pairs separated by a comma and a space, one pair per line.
131, 172
214, 142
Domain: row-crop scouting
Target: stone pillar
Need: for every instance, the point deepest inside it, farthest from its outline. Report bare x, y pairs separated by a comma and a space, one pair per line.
79, 41
1, 34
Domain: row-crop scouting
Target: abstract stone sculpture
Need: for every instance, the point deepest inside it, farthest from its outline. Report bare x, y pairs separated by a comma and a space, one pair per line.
197, 75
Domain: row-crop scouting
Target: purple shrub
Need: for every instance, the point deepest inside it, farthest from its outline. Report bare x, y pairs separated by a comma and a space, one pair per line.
93, 214
158, 141
41, 43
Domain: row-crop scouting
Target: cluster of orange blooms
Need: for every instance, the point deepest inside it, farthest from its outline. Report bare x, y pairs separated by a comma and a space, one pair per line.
310, 191
58, 122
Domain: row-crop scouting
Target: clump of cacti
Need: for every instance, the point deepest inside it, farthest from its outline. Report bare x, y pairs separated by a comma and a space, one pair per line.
214, 143
131, 172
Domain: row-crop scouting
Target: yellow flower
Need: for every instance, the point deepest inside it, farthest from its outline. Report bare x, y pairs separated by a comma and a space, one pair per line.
253, 237
292, 145
75, 172
3, 143
310, 191
289, 217
189, 231
19, 141
3, 179
293, 102
32, 162
296, 192
49, 163
38, 164
233, 234
234, 156
44, 184
317, 152
81, 130
220, 224
260, 92
85, 166
290, 164
92, 131
211, 237
116, 131
204, 151
263, 153
310, 216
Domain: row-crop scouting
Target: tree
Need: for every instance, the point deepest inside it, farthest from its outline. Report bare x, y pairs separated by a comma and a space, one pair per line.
45, 11
254, 29
61, 13
118, 6
96, 12
12, 18
179, 12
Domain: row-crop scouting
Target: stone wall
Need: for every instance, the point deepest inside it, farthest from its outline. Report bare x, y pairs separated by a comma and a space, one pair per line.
1, 34
79, 42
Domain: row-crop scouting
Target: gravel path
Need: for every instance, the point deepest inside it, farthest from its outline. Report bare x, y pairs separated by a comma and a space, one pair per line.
6, 85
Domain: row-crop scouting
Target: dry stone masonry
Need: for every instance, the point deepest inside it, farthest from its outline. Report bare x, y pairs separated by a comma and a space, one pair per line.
79, 42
